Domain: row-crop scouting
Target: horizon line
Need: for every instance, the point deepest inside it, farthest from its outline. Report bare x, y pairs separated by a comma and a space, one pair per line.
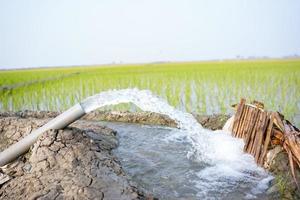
120, 63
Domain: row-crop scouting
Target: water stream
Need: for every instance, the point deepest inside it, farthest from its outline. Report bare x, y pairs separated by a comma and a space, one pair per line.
196, 162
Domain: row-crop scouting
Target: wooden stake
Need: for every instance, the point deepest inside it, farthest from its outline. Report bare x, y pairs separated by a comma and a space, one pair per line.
241, 128
278, 121
238, 115
254, 134
260, 133
249, 132
248, 122
267, 140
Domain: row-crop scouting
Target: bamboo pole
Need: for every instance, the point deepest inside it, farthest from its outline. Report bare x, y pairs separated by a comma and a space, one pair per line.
260, 133
242, 117
247, 122
250, 133
242, 123
278, 121
254, 136
238, 115
267, 139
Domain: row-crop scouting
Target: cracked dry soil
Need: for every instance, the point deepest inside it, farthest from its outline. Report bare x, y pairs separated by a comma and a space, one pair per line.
64, 164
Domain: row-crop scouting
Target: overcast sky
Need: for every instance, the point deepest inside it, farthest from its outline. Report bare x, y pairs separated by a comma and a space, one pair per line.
57, 33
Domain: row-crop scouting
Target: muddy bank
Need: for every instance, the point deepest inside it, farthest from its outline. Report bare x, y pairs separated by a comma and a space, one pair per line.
212, 122
283, 185
74, 163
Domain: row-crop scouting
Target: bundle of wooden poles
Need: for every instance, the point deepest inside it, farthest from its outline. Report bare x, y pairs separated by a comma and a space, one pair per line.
263, 130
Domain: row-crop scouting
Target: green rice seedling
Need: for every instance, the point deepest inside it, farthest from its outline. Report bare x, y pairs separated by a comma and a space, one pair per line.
202, 87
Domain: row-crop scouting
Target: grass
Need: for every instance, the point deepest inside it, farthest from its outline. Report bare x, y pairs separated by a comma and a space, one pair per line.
281, 183
202, 87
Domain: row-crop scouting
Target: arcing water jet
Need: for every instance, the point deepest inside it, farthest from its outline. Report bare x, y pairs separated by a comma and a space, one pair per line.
205, 146
141, 98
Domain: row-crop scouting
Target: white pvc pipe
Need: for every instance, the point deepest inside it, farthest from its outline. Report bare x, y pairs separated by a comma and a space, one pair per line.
61, 121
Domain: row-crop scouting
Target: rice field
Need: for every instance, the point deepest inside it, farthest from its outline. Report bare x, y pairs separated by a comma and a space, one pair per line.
201, 87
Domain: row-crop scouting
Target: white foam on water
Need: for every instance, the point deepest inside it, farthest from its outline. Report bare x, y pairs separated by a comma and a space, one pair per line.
223, 153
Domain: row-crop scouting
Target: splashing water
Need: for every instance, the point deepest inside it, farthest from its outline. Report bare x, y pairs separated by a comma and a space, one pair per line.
146, 101
218, 149
205, 146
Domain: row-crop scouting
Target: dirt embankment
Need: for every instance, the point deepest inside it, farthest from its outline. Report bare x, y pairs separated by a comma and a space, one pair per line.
212, 122
74, 163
